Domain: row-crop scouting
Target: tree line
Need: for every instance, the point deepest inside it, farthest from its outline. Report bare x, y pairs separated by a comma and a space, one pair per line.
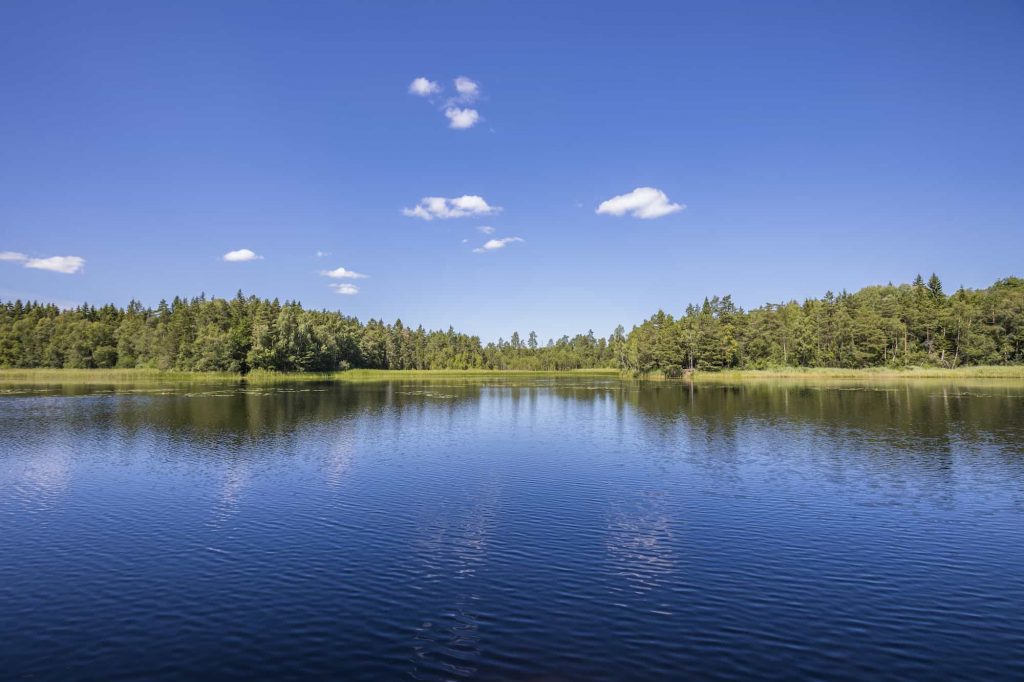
893, 326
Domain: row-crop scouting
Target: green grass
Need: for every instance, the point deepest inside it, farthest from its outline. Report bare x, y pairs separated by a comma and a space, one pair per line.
143, 376
368, 375
153, 376
105, 376
980, 372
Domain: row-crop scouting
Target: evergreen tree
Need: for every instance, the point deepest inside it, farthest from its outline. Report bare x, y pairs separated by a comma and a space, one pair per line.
879, 325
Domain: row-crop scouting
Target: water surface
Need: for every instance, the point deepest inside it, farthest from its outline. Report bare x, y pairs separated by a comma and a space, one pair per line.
532, 529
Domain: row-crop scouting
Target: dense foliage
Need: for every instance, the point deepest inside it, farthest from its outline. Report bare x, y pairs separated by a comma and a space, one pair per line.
915, 324
247, 333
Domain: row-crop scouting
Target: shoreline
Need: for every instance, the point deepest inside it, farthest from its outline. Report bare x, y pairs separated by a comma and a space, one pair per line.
115, 376
127, 376
974, 372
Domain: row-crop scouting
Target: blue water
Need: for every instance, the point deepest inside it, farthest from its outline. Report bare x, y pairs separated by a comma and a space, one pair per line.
571, 529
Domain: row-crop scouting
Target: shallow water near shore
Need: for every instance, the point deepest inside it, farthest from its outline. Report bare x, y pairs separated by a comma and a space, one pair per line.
536, 528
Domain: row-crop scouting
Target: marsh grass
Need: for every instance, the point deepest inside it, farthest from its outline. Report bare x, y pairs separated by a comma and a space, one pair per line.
109, 376
154, 376
882, 373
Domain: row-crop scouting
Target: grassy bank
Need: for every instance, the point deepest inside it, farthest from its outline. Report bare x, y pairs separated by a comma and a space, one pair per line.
153, 376
811, 373
107, 376
143, 376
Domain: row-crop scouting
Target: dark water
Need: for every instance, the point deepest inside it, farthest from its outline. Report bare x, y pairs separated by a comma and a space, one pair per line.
536, 530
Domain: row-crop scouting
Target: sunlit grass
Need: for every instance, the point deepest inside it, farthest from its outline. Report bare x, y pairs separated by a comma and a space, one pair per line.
107, 376
981, 372
154, 376
143, 376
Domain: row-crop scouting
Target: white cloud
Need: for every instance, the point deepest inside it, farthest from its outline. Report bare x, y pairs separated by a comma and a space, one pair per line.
345, 289
458, 207
495, 244
240, 256
424, 87
473, 204
642, 202
467, 88
321, 254
67, 265
342, 273
486, 229
461, 119
460, 116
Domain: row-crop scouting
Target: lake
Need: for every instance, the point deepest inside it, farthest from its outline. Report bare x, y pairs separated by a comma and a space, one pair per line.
575, 528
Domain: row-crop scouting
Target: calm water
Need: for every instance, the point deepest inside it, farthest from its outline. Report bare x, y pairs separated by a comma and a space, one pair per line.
578, 529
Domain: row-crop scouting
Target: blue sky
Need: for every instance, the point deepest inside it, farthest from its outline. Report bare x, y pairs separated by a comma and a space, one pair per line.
815, 146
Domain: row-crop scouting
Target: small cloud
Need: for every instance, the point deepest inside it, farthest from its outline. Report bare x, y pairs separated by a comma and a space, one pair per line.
461, 119
321, 254
345, 289
67, 265
495, 244
467, 88
458, 207
424, 87
240, 256
456, 109
486, 229
342, 273
642, 202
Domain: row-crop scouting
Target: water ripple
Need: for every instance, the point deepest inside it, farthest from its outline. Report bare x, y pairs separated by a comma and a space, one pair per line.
534, 530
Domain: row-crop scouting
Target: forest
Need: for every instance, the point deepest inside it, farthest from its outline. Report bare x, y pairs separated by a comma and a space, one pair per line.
915, 324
